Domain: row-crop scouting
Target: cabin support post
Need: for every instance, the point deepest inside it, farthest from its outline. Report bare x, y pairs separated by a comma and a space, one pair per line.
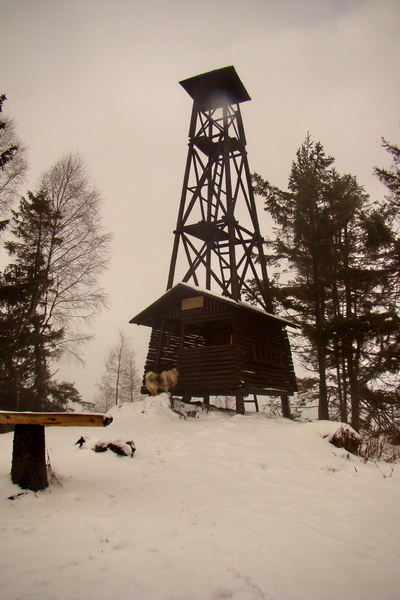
240, 404
256, 403
285, 406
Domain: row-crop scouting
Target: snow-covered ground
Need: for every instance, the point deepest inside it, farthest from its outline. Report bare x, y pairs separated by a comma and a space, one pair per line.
217, 507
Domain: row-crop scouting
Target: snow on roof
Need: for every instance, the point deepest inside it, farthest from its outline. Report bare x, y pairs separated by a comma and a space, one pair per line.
198, 290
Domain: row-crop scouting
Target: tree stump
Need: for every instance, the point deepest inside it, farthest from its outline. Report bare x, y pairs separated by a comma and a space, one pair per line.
29, 458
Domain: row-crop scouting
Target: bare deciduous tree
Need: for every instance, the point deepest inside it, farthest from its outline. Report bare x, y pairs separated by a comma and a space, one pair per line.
77, 249
120, 381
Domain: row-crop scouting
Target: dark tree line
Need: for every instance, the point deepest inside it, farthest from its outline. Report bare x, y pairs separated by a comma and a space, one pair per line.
337, 259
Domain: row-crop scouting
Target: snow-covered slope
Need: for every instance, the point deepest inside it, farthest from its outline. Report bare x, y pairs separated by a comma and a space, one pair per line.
241, 507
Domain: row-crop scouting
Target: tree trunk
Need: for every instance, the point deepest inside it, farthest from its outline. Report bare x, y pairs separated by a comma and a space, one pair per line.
319, 313
345, 417
29, 458
41, 374
354, 391
323, 408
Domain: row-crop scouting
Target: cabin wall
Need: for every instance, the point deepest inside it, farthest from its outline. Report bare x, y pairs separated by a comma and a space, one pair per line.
173, 319
208, 370
171, 344
263, 354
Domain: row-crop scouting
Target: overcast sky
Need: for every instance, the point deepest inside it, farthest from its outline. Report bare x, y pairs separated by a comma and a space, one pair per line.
100, 77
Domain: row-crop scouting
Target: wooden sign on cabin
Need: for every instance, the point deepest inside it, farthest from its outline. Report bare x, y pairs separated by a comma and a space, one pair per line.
216, 326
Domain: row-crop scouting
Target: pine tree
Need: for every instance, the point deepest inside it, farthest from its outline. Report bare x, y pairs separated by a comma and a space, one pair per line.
335, 243
28, 341
303, 241
382, 383
391, 177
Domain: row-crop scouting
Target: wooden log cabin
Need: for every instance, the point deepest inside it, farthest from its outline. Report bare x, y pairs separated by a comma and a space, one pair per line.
218, 345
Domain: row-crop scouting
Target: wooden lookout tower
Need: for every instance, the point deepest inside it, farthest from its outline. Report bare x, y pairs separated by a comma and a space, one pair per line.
212, 324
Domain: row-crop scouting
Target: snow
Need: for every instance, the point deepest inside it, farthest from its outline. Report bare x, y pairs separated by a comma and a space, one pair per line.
226, 299
211, 508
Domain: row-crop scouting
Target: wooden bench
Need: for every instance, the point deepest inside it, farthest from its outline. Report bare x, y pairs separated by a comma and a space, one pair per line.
29, 469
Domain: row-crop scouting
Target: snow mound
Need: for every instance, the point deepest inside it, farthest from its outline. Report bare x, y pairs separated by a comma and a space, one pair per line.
327, 429
152, 407
338, 434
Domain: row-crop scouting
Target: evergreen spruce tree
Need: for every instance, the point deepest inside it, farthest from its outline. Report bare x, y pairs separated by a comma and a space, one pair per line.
28, 340
337, 286
303, 241
391, 177
383, 396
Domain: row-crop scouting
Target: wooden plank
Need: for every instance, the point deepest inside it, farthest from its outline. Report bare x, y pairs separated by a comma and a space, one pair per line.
195, 302
203, 364
55, 419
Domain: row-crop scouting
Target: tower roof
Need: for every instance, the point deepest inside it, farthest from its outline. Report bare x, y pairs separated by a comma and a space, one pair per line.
216, 88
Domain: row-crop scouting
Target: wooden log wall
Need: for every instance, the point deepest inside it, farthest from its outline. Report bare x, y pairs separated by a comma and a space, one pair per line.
173, 315
170, 348
212, 308
208, 370
263, 353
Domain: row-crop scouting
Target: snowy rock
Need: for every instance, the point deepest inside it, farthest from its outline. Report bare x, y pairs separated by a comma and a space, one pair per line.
117, 446
347, 438
185, 409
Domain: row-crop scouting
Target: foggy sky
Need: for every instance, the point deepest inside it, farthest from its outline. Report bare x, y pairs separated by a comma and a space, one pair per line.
100, 77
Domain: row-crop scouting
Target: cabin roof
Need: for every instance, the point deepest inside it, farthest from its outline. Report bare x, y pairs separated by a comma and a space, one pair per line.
184, 290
